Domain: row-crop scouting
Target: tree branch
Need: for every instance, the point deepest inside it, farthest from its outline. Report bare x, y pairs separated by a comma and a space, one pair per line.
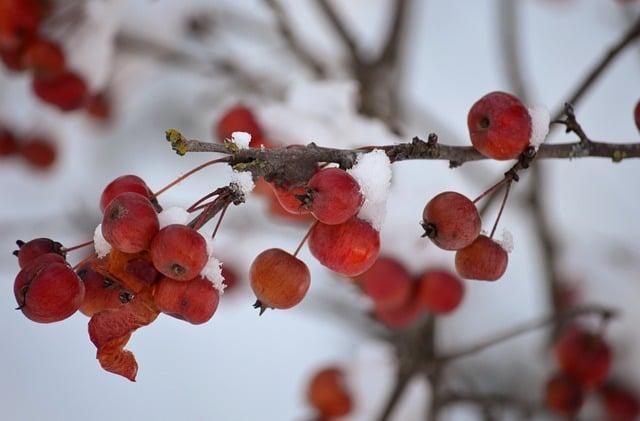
340, 30
391, 49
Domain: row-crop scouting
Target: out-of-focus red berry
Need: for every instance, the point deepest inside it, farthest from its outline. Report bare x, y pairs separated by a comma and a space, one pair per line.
67, 91
328, 393
19, 21
387, 283
98, 106
39, 153
620, 403
564, 395
440, 291
44, 58
8, 143
483, 260
240, 119
583, 355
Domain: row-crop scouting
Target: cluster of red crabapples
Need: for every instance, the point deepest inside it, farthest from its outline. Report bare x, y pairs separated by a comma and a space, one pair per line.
500, 127
147, 269
584, 359
23, 47
38, 152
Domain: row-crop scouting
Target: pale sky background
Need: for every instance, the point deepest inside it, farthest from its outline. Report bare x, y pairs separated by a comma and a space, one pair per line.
241, 367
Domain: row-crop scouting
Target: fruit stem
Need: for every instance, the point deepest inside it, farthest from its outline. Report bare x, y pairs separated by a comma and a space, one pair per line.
491, 189
504, 202
304, 239
79, 246
215, 230
189, 174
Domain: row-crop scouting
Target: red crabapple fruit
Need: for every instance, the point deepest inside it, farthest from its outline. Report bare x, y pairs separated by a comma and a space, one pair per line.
100, 293
123, 184
98, 106
130, 223
499, 126
288, 199
349, 248
564, 396
387, 283
179, 252
583, 355
328, 393
12, 58
31, 250
48, 290
44, 58
402, 316
483, 260
39, 153
194, 301
67, 91
451, 221
279, 279
8, 143
440, 291
239, 119
333, 196
620, 403
19, 21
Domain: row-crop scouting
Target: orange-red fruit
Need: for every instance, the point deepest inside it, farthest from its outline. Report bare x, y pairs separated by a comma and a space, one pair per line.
499, 126
583, 355
636, 115
100, 293
451, 221
328, 393
44, 58
179, 252
130, 223
279, 279
39, 153
67, 91
334, 196
387, 283
403, 316
8, 143
19, 21
98, 106
564, 395
48, 290
484, 260
31, 250
194, 301
620, 403
240, 119
440, 291
288, 200
123, 184
349, 248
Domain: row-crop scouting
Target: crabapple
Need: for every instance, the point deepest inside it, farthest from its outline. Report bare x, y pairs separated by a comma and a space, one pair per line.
8, 143
12, 58
287, 197
100, 292
19, 21
125, 183
48, 290
39, 153
179, 252
44, 58
31, 250
334, 196
279, 279
349, 248
328, 393
98, 106
583, 355
440, 291
130, 223
484, 260
451, 221
67, 91
194, 301
240, 119
564, 395
402, 316
499, 126
387, 283
621, 404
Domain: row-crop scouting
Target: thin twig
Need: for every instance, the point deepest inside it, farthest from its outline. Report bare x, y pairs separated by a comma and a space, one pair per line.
340, 29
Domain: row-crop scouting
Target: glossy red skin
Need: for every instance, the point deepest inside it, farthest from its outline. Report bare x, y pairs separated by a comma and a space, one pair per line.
276, 209
25, 276
67, 91
482, 260
509, 126
455, 218
564, 396
583, 355
288, 200
387, 283
440, 291
179, 252
279, 279
125, 183
636, 115
328, 393
620, 403
52, 293
8, 143
100, 293
349, 248
130, 223
19, 21
194, 301
39, 153
403, 316
35, 248
44, 58
239, 119
335, 196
